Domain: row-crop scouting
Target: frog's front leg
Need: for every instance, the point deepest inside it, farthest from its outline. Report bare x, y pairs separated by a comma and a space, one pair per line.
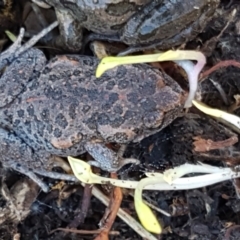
16, 154
70, 37
105, 158
70, 29
70, 32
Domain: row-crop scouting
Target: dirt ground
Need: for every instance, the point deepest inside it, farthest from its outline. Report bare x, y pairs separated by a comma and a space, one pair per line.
207, 213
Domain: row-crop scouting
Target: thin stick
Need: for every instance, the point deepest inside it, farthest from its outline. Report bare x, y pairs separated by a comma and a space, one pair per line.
111, 212
16, 49
131, 222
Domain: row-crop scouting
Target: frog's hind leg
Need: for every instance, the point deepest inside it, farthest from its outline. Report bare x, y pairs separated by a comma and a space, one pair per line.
16, 154
32, 175
24, 170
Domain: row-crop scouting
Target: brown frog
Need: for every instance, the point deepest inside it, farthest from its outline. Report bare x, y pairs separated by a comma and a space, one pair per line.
60, 108
135, 22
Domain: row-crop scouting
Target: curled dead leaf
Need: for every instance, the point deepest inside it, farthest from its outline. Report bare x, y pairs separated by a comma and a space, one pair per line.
205, 145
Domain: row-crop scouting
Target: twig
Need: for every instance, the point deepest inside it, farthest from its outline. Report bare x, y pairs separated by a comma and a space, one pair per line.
124, 216
114, 206
220, 90
221, 64
82, 231
210, 44
229, 230
16, 49
157, 208
121, 214
147, 202
83, 206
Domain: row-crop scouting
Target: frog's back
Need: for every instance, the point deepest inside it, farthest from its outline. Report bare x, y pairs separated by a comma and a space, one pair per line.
106, 16
68, 105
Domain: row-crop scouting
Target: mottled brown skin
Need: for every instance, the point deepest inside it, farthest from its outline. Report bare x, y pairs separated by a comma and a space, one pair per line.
135, 22
59, 107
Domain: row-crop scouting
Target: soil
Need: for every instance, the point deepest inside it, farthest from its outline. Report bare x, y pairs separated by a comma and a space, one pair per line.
207, 213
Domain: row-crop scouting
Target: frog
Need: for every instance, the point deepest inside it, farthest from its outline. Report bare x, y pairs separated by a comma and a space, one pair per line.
59, 108
137, 23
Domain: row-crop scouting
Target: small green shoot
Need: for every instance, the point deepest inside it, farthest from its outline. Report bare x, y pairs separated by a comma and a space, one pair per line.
170, 180
11, 36
230, 119
145, 214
